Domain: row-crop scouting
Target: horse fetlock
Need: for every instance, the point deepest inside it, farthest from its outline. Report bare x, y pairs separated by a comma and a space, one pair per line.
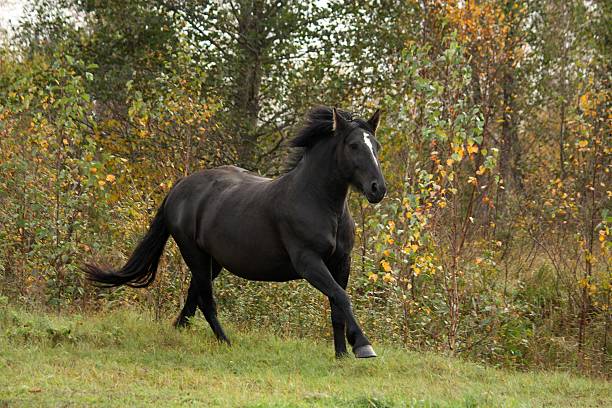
342, 354
182, 322
224, 340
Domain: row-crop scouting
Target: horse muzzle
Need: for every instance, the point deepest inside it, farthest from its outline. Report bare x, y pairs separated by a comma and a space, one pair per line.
376, 192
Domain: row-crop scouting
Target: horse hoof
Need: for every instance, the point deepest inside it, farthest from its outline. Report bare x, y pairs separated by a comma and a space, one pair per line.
181, 324
364, 352
341, 356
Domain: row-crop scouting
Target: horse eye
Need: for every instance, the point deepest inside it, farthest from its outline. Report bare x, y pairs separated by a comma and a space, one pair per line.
353, 146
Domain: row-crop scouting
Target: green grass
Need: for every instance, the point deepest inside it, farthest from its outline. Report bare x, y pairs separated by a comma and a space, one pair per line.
126, 359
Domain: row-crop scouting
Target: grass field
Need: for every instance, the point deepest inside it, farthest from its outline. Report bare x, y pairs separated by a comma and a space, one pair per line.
126, 359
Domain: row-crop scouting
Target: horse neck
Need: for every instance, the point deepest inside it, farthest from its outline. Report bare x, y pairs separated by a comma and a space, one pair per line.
319, 178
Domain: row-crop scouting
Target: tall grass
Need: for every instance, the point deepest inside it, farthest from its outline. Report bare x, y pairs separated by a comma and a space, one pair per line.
124, 358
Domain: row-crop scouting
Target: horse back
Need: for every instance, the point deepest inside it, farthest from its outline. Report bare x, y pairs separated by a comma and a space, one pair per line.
230, 214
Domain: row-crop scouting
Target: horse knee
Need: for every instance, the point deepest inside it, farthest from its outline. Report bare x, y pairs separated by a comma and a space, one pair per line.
342, 301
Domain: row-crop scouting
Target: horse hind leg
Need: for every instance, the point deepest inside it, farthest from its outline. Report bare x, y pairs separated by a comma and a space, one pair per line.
189, 308
203, 270
193, 300
208, 306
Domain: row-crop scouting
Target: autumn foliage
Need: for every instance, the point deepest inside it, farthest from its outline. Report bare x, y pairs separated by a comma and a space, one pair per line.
494, 239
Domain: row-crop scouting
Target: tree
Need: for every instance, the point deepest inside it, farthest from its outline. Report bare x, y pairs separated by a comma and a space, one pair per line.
250, 49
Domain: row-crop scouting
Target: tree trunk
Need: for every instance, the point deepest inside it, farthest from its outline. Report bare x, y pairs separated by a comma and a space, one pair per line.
251, 35
509, 159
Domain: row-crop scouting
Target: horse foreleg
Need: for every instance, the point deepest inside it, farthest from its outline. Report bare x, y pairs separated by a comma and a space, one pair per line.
312, 268
340, 272
339, 328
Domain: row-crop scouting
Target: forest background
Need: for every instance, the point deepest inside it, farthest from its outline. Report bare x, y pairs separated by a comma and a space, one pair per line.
493, 242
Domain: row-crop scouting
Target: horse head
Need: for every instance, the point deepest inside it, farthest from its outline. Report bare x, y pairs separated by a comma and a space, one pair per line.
357, 154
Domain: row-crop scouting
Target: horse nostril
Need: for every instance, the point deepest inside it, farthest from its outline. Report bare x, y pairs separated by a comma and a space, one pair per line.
374, 187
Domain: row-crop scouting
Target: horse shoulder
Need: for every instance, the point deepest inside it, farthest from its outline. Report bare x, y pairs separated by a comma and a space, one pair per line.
305, 228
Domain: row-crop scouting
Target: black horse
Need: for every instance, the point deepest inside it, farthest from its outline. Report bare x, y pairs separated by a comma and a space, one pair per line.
297, 226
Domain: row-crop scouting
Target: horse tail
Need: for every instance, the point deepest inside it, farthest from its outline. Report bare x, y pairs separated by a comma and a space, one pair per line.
140, 269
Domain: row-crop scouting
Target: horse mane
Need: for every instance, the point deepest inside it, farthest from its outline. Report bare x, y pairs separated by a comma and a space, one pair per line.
318, 125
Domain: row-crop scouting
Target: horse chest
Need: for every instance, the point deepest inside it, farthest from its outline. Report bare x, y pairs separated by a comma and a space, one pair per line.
319, 234
327, 243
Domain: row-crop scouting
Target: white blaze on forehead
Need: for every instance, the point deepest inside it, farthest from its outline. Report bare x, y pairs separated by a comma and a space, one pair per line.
368, 142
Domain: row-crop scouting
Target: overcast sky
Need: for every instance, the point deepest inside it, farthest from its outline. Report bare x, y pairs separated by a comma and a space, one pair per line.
10, 12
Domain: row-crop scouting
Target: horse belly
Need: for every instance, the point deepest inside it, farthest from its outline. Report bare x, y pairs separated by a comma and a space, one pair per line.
265, 273
250, 250
257, 264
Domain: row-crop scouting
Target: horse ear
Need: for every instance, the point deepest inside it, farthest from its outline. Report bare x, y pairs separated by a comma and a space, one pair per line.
339, 122
375, 120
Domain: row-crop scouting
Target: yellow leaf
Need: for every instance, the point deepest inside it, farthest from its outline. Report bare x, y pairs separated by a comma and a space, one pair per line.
472, 149
459, 151
386, 266
583, 143
110, 178
449, 162
373, 277
388, 278
584, 101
